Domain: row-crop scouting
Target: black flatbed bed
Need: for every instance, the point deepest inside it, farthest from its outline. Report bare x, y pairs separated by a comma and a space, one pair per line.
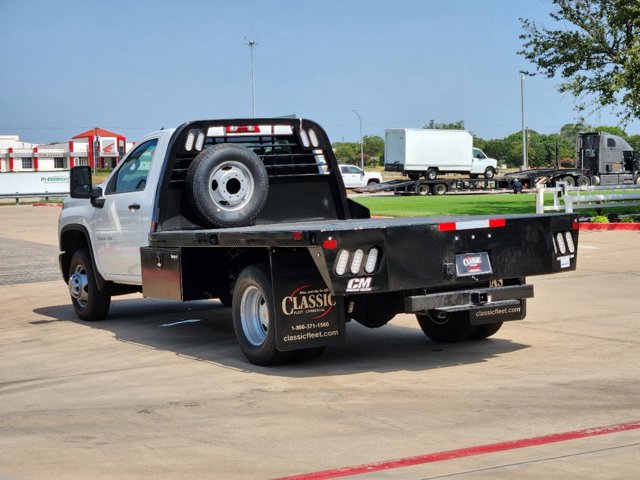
283, 234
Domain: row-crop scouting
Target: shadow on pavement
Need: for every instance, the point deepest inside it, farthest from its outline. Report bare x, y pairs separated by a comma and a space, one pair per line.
203, 331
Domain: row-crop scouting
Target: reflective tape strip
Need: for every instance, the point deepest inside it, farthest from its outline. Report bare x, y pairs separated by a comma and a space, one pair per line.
472, 225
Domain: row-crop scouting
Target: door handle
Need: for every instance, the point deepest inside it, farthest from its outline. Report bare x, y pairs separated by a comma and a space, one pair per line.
134, 206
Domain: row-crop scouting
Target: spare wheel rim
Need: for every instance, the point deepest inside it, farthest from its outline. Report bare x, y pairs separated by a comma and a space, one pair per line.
231, 186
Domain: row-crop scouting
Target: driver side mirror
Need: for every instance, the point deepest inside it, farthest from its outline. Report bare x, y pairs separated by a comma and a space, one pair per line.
80, 182
80, 185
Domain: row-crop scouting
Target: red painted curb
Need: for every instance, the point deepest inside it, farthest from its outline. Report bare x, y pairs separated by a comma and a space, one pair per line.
465, 452
609, 226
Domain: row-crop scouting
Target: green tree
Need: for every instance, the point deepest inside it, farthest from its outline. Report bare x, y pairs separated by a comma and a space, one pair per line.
459, 125
373, 150
613, 130
570, 131
347, 152
595, 49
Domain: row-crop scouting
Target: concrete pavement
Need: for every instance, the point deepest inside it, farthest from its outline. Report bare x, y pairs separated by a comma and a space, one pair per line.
141, 395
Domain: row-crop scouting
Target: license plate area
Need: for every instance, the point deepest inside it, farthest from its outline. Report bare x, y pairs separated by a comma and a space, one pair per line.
472, 264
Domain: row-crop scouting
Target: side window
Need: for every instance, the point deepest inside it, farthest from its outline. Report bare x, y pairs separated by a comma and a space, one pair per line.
132, 174
611, 143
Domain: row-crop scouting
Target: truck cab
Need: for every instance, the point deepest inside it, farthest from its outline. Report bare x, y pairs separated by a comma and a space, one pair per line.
608, 159
482, 165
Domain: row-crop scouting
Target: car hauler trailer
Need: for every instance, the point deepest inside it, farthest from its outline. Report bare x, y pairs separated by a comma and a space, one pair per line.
254, 212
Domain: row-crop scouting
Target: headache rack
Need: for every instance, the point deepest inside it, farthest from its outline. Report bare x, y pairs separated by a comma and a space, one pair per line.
304, 179
283, 154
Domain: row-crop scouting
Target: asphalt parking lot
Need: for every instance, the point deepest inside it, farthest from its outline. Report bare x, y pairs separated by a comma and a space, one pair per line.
160, 389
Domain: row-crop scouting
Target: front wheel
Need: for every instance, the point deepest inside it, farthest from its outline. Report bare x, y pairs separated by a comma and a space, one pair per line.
489, 173
88, 301
445, 327
254, 317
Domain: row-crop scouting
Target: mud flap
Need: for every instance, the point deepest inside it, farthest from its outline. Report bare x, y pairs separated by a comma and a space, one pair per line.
307, 314
499, 312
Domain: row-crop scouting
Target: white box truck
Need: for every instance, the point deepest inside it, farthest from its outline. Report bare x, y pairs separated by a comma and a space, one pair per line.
419, 152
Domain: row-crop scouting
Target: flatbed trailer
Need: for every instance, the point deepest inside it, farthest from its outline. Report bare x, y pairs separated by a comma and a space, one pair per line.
439, 186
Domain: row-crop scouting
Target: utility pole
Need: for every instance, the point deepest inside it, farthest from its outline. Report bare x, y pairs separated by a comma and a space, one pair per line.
253, 43
361, 141
524, 137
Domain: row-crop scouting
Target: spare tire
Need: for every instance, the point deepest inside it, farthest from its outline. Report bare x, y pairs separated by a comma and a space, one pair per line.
227, 186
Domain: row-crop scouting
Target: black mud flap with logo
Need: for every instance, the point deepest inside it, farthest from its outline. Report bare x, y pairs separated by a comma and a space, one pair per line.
307, 314
499, 312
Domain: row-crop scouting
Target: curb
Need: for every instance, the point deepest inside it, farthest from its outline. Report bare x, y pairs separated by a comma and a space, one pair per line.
46, 204
610, 226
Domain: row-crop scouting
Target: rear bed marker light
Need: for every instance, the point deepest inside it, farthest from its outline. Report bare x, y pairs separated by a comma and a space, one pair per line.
356, 263
472, 225
330, 244
570, 244
560, 241
372, 260
297, 236
341, 263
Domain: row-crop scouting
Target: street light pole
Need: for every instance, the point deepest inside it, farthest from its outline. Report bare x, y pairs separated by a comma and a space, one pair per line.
253, 43
524, 136
361, 140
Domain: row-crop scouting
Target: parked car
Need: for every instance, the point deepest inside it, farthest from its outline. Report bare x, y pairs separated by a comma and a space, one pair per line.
354, 177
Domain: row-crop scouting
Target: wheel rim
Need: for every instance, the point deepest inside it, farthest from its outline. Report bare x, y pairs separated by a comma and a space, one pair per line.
79, 286
254, 316
439, 318
231, 186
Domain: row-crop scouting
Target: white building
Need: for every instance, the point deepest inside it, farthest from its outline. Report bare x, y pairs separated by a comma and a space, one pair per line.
99, 145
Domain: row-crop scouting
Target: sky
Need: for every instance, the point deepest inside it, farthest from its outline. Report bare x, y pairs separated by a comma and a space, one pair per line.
136, 66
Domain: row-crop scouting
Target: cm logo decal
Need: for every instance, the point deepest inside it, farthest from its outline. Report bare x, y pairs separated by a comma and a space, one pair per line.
359, 285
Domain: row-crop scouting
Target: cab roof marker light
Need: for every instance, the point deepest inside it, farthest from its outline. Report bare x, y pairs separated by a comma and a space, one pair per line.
200, 141
313, 137
216, 132
231, 129
189, 143
372, 260
341, 263
356, 263
305, 139
570, 244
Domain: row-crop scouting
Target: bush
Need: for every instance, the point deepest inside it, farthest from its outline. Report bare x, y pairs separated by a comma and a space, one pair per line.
599, 219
